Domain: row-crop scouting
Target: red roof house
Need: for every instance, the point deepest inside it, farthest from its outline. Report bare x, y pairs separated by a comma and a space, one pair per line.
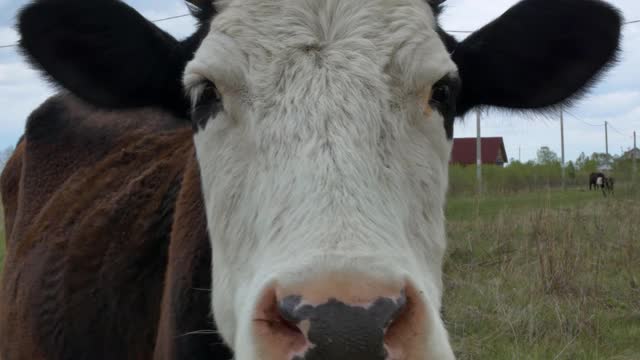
493, 151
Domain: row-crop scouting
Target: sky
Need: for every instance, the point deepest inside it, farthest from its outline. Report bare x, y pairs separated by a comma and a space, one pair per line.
615, 99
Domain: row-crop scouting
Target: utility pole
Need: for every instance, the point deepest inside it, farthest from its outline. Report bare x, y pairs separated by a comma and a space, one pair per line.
562, 145
478, 153
633, 156
606, 138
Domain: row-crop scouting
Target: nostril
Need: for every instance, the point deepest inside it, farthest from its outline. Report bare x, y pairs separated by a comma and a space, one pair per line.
287, 309
405, 332
387, 310
272, 321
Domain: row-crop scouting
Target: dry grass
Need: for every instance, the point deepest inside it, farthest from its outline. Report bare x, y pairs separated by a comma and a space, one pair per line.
546, 282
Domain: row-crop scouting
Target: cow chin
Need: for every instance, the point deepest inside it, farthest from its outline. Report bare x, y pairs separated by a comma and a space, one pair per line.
302, 313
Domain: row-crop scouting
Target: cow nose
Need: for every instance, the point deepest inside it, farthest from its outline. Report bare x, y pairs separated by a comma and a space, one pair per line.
338, 330
329, 321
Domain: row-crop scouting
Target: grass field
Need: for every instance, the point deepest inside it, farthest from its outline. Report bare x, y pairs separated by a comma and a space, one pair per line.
548, 275
542, 275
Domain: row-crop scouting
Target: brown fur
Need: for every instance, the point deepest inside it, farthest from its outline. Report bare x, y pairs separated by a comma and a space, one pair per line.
189, 326
107, 239
9, 186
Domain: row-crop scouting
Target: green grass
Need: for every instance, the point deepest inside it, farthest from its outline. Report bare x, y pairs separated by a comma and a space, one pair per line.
463, 207
550, 275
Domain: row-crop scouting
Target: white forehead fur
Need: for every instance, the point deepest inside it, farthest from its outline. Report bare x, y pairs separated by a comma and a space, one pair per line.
400, 35
323, 158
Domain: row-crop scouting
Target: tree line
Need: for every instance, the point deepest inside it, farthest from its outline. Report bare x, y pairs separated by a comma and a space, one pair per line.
542, 173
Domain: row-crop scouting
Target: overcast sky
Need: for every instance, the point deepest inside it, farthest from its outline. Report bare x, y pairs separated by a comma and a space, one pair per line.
616, 99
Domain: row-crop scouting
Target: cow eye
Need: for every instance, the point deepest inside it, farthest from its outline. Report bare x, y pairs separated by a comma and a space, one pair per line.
440, 94
443, 93
207, 105
443, 99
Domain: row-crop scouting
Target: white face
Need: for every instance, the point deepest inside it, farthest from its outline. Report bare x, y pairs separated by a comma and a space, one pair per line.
325, 172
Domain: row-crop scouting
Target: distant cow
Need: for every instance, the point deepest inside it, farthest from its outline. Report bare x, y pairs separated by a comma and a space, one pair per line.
609, 184
291, 207
597, 181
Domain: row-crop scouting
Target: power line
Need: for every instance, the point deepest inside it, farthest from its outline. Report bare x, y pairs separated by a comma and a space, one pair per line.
595, 125
185, 15
170, 18
619, 132
582, 121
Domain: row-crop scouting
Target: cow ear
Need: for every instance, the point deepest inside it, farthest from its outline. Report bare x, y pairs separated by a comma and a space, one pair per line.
105, 52
538, 54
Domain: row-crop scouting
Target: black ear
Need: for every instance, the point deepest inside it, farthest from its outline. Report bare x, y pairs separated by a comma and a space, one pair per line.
105, 52
538, 54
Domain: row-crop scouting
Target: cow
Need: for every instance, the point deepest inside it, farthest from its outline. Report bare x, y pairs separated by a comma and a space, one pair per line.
271, 187
609, 184
597, 181
600, 181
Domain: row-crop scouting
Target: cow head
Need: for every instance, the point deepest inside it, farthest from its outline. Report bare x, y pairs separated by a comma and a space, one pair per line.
323, 131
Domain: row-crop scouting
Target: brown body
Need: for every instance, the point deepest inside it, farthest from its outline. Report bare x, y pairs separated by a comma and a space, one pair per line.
107, 249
